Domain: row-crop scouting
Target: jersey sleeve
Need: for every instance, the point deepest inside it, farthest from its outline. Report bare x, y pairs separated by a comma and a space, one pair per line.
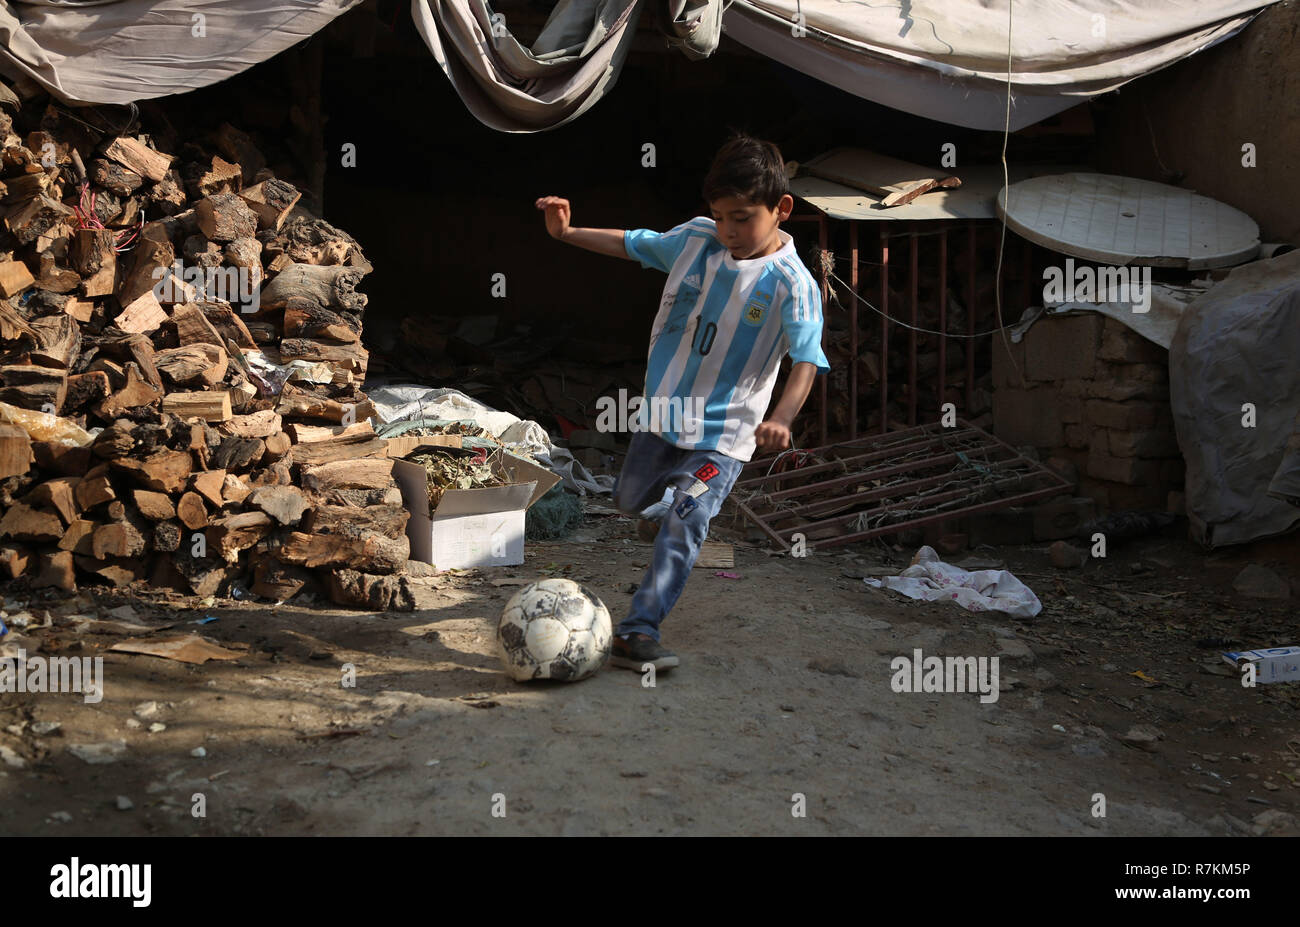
801, 322
661, 250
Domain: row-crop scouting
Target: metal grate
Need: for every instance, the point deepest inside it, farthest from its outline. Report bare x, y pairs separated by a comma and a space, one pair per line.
871, 487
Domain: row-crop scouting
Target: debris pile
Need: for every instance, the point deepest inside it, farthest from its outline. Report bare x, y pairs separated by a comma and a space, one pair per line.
180, 373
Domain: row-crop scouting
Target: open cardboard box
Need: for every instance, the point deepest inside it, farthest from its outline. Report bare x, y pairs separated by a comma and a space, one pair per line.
472, 527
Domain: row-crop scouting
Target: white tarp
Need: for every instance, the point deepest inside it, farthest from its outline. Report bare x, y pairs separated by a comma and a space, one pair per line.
120, 51
1235, 391
942, 59
947, 59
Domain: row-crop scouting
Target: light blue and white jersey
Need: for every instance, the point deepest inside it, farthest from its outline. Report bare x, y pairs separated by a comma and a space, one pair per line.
722, 328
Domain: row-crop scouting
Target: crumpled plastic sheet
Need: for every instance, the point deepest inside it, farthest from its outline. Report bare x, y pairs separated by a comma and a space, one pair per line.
412, 405
932, 580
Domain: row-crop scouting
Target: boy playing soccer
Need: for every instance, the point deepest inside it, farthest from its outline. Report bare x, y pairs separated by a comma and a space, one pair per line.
737, 300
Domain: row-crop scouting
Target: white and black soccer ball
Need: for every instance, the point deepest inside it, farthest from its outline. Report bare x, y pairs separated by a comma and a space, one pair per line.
554, 629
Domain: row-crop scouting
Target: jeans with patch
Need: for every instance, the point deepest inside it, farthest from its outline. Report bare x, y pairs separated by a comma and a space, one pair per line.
663, 482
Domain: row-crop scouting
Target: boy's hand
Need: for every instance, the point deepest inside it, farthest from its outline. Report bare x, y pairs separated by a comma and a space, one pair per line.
557, 215
772, 435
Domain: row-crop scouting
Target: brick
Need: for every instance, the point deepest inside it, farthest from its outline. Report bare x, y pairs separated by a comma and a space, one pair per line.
1063, 348
1027, 417
1121, 345
1070, 408
1077, 436
1130, 471
1152, 443
1124, 416
1120, 390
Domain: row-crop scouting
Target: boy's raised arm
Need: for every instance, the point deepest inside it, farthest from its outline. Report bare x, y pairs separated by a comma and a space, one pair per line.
602, 241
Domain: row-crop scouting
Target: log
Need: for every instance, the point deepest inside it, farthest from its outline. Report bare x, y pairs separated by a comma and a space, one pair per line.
52, 274
79, 537
15, 451
351, 447
296, 401
285, 504
14, 561
193, 327
85, 389
271, 201
165, 471
152, 260
155, 506
79, 309
191, 512
14, 278
112, 176
138, 157
352, 358
238, 453
200, 365
330, 287
262, 424
37, 216
117, 440
229, 535
53, 456
133, 395
58, 342
303, 318
205, 575
59, 494
92, 491
92, 250
137, 349
208, 484
24, 523
366, 590
56, 570
117, 539
361, 498
27, 386
143, 315
209, 406
278, 446
220, 177
375, 552
166, 536
370, 473
278, 581
234, 490
227, 323
388, 520
225, 217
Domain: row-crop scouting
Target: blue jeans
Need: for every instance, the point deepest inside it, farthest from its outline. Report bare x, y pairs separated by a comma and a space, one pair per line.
682, 489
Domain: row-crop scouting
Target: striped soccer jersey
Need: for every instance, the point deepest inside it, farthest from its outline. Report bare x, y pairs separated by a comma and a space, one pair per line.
722, 328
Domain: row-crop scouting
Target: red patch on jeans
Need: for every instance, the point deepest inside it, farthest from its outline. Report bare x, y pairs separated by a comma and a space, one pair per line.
706, 472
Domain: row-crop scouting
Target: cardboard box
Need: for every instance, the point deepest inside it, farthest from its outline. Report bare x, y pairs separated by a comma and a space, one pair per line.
1277, 664
472, 527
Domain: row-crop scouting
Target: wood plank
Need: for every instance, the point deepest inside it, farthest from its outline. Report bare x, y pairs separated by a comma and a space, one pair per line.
209, 406
139, 157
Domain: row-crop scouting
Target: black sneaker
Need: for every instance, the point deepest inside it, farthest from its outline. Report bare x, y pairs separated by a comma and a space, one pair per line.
639, 650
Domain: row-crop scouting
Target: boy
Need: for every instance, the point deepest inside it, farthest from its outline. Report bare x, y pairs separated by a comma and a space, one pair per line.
737, 300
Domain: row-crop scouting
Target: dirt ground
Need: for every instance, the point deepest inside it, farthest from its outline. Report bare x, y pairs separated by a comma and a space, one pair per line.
782, 702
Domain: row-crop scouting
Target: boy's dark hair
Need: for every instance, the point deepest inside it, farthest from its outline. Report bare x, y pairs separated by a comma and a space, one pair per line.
749, 168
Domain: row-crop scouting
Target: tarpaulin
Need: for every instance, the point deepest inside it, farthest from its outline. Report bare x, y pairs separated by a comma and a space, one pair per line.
1235, 392
120, 51
941, 59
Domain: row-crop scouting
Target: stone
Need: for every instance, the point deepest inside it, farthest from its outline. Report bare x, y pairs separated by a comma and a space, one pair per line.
1257, 582
1067, 556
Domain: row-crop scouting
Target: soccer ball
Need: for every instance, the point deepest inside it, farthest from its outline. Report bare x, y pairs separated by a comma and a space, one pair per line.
554, 629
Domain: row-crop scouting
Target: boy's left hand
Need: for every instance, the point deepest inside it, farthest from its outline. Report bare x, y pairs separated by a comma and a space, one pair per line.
772, 435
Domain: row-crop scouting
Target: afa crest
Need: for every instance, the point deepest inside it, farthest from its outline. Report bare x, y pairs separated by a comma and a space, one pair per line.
753, 313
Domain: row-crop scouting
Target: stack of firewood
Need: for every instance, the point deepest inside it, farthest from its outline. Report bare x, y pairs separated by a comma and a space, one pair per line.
160, 426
